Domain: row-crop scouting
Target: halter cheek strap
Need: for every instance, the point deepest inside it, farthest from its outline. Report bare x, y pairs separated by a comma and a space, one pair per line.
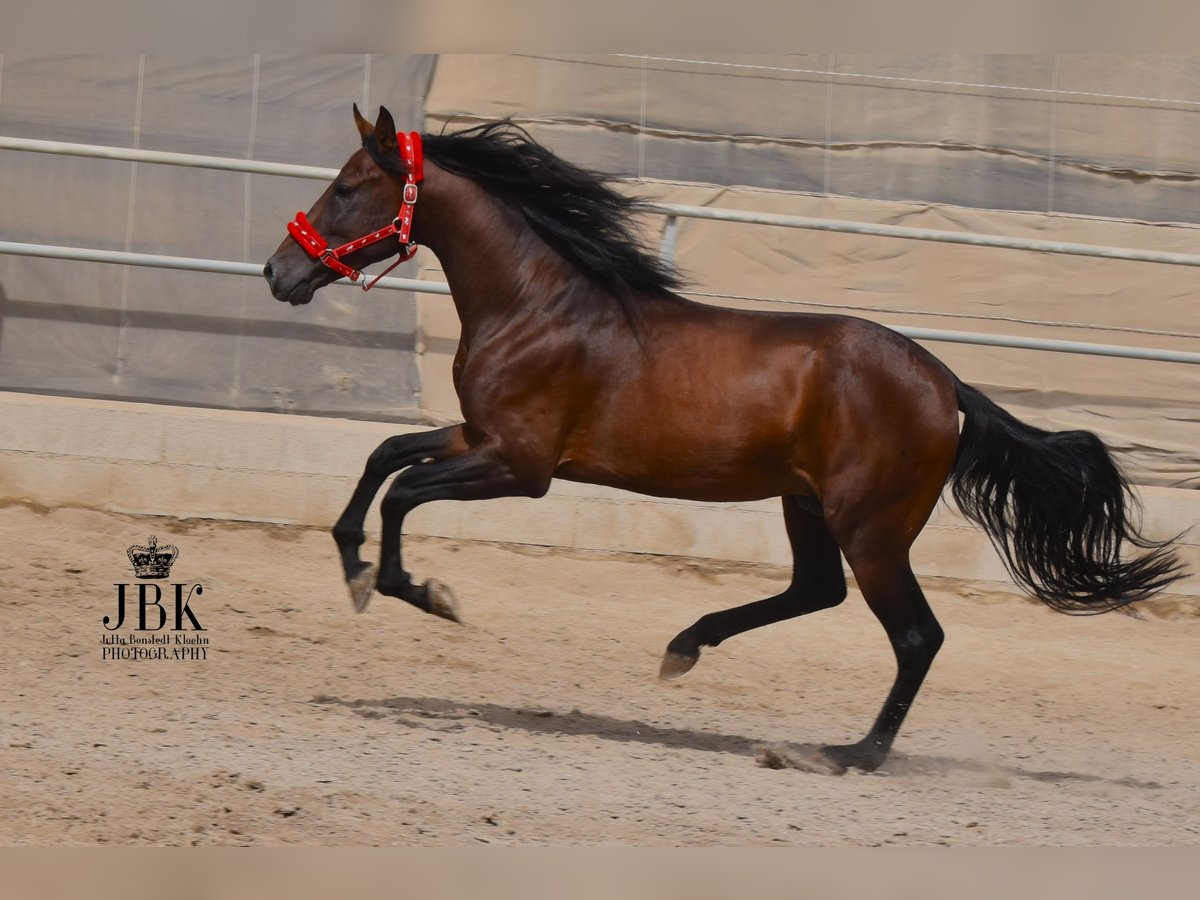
311, 241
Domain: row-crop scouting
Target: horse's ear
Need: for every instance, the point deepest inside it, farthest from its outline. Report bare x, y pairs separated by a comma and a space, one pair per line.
385, 131
364, 127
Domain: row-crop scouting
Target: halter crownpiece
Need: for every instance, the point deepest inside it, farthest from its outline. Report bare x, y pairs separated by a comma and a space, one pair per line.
311, 241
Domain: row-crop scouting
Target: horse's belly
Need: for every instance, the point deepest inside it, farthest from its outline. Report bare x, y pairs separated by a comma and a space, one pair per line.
693, 473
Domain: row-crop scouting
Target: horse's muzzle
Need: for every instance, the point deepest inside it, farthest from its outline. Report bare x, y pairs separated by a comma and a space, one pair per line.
297, 292
271, 275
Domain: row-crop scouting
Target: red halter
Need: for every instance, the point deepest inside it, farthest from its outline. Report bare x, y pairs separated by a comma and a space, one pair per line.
317, 247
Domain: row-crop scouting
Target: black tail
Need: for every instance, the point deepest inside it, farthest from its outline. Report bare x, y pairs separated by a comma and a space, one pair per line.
1057, 507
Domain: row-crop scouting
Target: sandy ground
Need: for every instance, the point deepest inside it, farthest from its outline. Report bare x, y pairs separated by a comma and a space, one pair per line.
541, 721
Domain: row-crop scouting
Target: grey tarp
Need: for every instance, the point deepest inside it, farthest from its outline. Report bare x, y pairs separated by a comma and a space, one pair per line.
215, 340
1093, 135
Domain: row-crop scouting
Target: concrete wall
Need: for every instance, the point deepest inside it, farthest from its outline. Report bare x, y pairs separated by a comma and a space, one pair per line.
228, 465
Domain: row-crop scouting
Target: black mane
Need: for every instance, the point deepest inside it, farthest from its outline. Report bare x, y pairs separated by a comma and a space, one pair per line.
573, 210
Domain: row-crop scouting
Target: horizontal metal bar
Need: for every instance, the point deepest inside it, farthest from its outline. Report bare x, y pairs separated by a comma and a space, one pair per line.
929, 234
436, 287
1020, 343
666, 209
190, 160
219, 266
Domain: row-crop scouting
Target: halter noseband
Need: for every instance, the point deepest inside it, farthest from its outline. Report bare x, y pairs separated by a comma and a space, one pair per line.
317, 247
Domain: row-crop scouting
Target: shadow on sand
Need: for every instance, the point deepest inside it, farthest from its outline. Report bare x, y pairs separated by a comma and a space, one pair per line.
450, 715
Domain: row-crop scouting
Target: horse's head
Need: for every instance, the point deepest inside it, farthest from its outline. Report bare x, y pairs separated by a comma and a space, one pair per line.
360, 202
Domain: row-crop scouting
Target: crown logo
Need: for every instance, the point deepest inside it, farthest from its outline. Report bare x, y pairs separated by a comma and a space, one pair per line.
153, 561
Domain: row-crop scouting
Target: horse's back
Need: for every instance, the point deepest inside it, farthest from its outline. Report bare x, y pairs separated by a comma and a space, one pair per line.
804, 365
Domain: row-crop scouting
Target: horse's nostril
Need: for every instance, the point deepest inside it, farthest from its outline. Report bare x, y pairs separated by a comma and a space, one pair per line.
269, 274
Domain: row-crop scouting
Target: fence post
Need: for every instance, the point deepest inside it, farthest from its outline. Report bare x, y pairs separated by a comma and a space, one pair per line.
670, 235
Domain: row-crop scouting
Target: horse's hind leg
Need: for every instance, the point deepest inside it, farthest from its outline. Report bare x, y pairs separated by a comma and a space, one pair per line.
391, 456
881, 567
818, 582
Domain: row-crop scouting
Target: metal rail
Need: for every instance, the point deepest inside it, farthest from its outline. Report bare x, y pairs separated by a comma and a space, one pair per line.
187, 263
929, 234
256, 167
226, 267
162, 157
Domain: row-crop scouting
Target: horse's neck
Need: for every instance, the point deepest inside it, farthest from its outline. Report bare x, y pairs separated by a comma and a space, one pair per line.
496, 267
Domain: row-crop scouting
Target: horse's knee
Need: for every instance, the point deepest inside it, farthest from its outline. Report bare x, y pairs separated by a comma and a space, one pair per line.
385, 458
528, 477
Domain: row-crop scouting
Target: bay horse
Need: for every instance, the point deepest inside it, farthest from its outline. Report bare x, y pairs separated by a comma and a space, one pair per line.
578, 360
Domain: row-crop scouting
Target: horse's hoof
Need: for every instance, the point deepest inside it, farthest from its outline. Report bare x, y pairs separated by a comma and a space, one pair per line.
864, 756
442, 601
676, 664
361, 586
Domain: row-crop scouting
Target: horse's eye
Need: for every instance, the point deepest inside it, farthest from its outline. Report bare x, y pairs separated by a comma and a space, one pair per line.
343, 190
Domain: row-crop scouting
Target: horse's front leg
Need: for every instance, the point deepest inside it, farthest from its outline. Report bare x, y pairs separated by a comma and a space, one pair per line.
394, 454
484, 472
